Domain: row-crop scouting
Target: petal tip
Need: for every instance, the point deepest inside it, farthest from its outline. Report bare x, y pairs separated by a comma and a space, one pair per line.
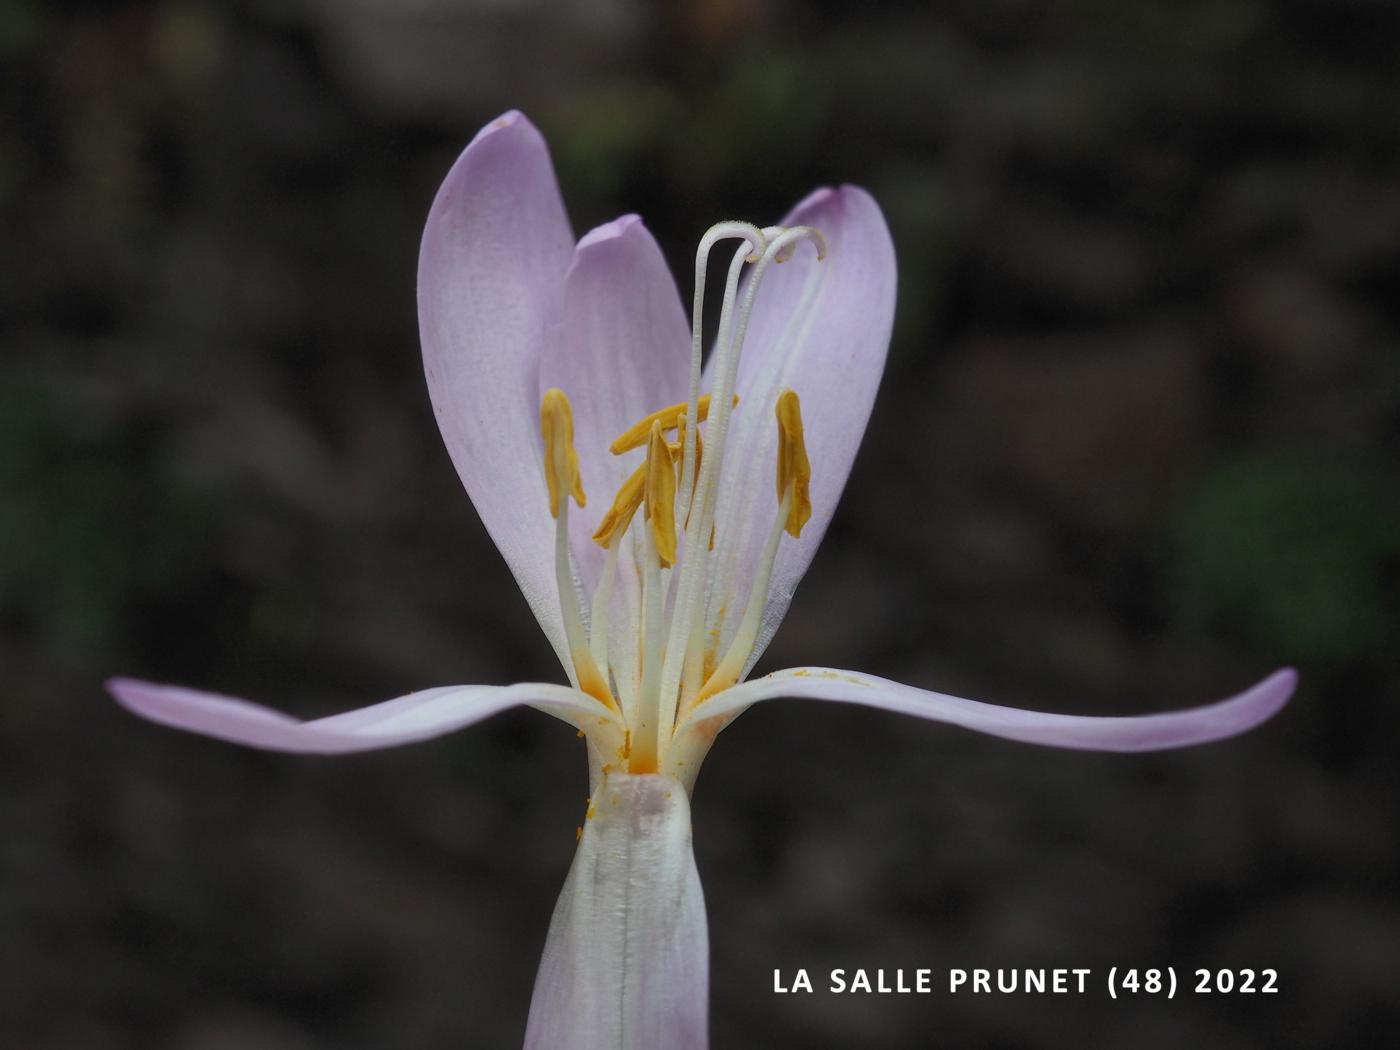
146, 699
852, 193
1281, 685
817, 197
848, 207
512, 132
1256, 705
843, 196
610, 231
123, 690
511, 118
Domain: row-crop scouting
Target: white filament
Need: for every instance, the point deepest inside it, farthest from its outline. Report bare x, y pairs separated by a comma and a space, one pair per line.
647, 733
732, 665
569, 597
602, 601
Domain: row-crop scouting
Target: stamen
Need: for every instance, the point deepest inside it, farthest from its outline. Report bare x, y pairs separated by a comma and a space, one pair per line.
794, 471
619, 515
585, 673
560, 460
639, 432
643, 756
660, 496
602, 611
794, 510
562, 477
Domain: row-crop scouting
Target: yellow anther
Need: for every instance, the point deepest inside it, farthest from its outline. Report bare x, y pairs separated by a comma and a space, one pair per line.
661, 495
794, 472
638, 433
560, 459
619, 515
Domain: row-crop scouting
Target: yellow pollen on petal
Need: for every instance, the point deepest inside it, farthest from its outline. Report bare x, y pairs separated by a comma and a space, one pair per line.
639, 432
711, 658
714, 683
560, 460
661, 496
794, 471
619, 515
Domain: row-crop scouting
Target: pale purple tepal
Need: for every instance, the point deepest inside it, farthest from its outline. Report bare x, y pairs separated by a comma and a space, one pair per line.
540, 353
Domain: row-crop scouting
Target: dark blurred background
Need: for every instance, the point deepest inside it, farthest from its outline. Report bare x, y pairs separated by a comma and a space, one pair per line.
1138, 445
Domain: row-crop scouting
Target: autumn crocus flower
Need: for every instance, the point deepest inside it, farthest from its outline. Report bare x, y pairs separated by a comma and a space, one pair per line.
562, 372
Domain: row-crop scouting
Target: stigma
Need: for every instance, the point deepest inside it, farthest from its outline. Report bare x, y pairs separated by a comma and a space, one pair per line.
662, 521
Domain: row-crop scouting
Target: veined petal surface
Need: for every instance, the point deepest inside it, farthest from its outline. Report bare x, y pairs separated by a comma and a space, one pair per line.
405, 720
491, 270
821, 329
1195, 725
626, 963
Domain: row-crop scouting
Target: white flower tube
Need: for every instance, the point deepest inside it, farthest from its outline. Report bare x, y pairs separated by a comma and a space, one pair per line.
626, 963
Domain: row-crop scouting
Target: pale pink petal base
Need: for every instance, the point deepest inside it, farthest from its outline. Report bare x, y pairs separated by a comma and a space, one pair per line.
1196, 725
405, 720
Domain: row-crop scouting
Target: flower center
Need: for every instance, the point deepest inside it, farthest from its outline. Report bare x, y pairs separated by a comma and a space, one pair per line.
676, 488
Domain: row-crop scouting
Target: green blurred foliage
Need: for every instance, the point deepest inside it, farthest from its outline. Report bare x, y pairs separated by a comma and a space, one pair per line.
86, 530
21, 27
754, 113
598, 133
1298, 558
